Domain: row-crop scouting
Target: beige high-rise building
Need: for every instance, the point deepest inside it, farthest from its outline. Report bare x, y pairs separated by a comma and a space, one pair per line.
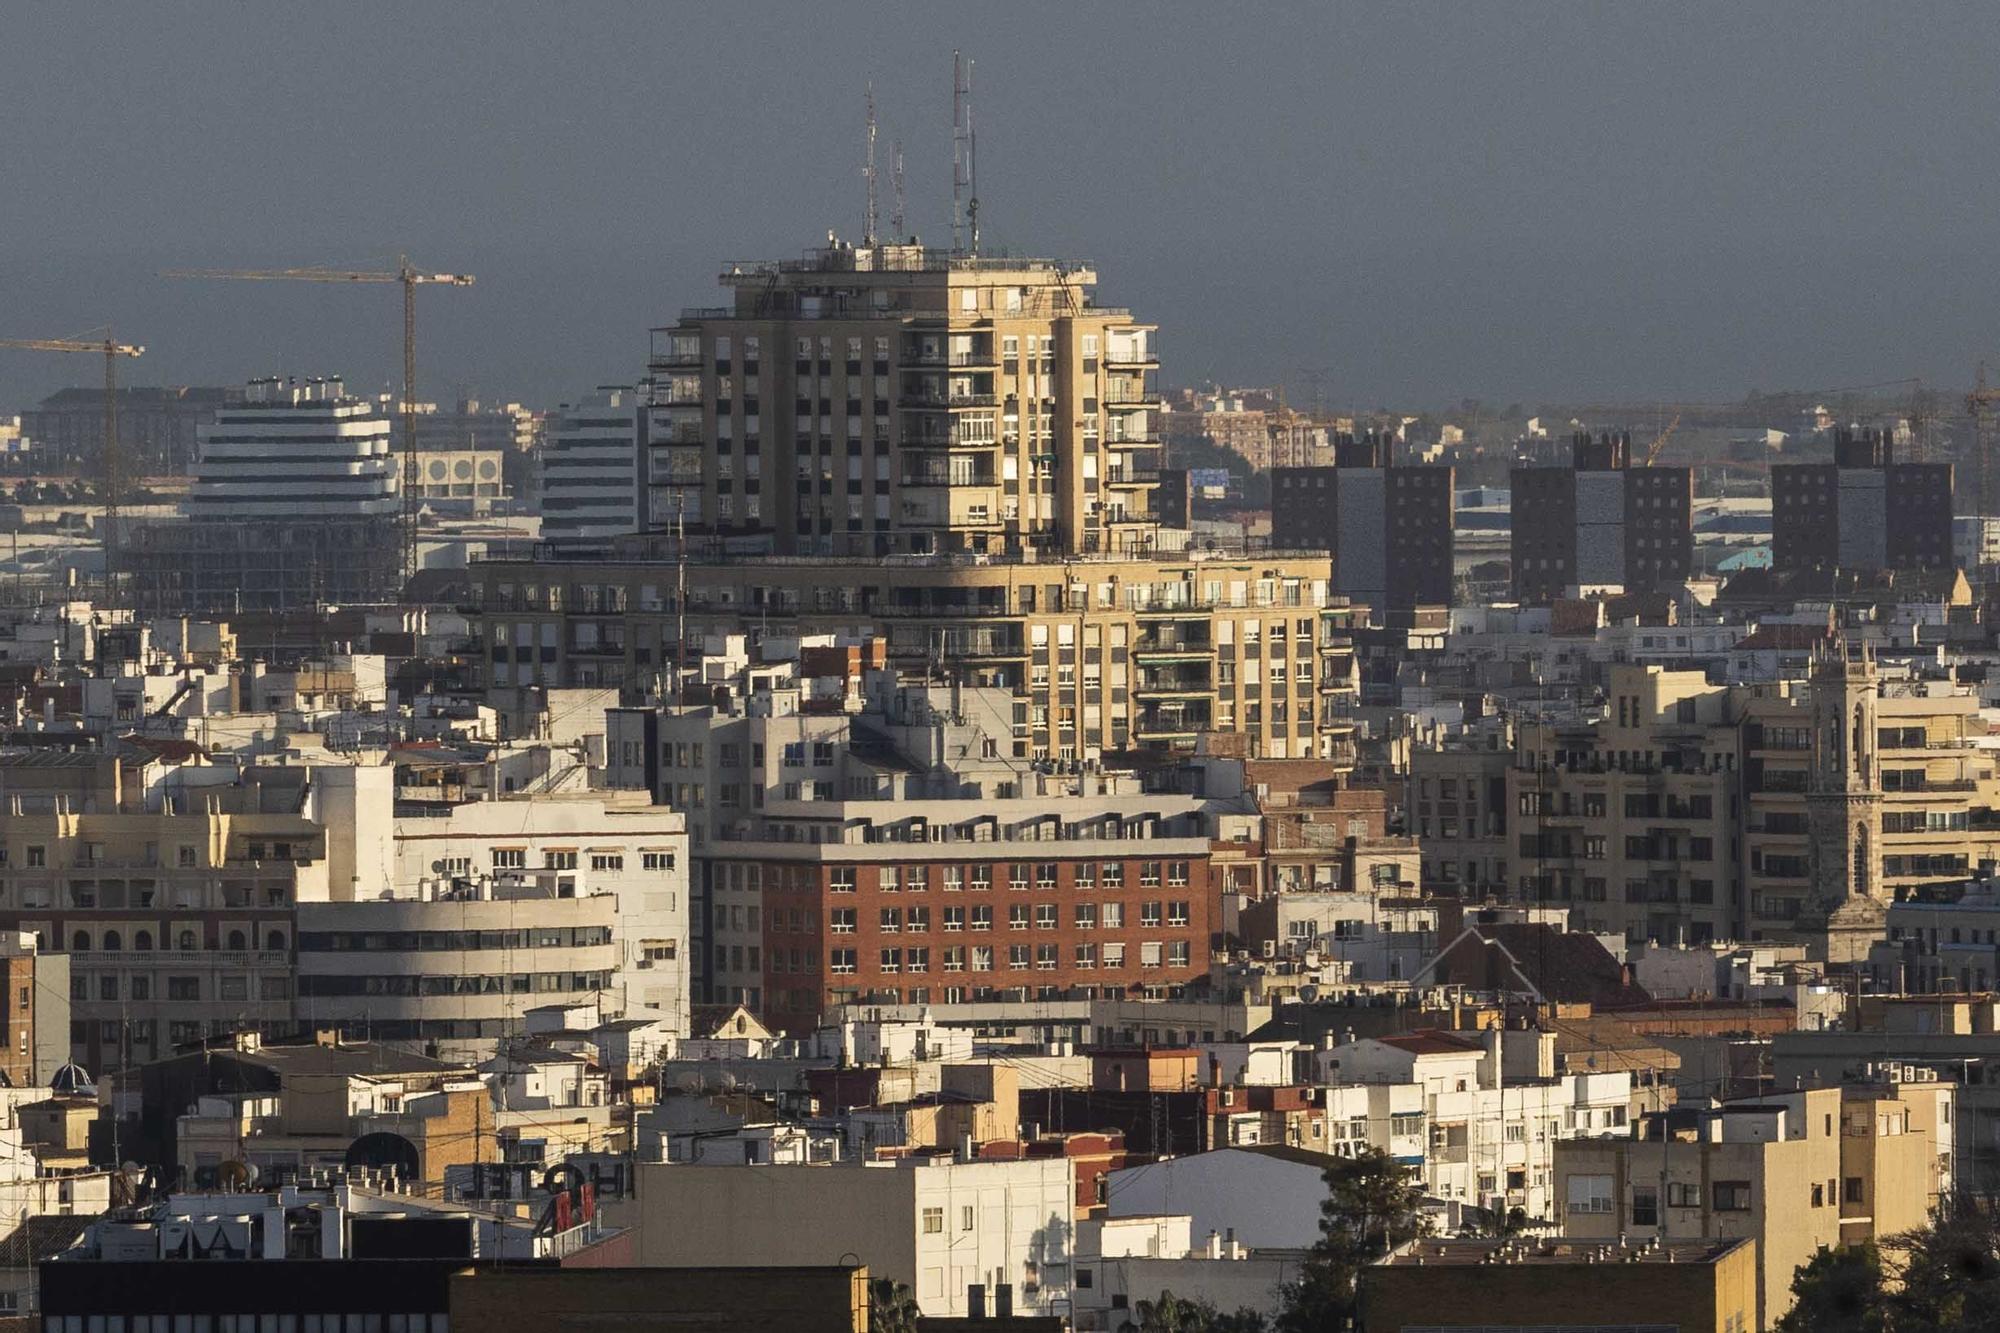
890, 399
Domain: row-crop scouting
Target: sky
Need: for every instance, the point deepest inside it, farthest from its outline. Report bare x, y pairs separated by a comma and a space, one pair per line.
1402, 204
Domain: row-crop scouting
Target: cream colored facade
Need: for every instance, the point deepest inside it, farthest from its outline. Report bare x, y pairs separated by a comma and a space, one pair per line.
887, 399
1100, 652
1686, 812
1796, 1172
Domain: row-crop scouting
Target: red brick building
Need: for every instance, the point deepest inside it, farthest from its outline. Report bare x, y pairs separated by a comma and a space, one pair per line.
937, 925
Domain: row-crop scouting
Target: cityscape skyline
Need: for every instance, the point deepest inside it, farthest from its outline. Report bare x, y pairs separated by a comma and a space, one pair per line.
1701, 262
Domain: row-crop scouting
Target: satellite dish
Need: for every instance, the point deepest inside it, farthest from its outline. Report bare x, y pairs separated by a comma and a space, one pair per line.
383, 1151
437, 867
235, 1176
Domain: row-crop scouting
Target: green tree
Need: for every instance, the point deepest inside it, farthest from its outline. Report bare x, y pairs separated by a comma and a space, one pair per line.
1947, 1274
892, 1308
1371, 1206
1177, 1314
1838, 1291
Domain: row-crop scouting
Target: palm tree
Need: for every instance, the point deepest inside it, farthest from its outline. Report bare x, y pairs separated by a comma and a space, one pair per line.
892, 1308
1171, 1314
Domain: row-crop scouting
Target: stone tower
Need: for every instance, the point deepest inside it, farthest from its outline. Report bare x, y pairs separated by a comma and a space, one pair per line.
1844, 809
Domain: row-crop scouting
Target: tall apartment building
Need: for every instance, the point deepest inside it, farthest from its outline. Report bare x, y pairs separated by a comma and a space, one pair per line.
1691, 811
1600, 522
294, 503
1864, 510
896, 854
1388, 525
592, 483
1100, 653
893, 399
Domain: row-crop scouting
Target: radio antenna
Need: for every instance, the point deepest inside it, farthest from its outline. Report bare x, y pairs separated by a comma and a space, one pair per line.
971, 163
958, 152
896, 191
868, 171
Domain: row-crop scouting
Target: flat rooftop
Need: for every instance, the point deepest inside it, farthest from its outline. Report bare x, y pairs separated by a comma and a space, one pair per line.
1559, 1251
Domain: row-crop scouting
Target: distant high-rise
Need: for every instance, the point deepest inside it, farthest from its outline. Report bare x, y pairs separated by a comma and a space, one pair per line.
899, 399
294, 503
1600, 522
1864, 510
590, 471
1388, 525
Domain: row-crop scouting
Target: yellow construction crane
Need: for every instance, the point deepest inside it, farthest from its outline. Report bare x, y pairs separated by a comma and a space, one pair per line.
112, 480
410, 279
1660, 441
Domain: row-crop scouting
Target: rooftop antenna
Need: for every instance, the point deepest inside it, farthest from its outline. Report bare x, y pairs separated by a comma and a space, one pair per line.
957, 151
868, 171
971, 163
896, 190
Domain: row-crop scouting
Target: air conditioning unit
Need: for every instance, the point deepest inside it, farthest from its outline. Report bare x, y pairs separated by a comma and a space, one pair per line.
1270, 948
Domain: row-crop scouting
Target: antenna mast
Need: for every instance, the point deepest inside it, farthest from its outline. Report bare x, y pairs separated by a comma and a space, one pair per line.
971, 164
868, 171
958, 153
896, 191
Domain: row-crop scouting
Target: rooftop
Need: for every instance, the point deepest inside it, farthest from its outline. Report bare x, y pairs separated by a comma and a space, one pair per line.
1557, 1251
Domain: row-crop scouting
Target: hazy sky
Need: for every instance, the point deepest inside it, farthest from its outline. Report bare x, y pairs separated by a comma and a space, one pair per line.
1421, 202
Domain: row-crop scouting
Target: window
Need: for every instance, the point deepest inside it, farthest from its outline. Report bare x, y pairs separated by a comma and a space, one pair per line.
1045, 916
1017, 956
183, 988
982, 958
1086, 957
954, 918
606, 861
1045, 957
1589, 1194
841, 920
1149, 914
656, 860
1179, 954
1732, 1196
891, 962
891, 920
1645, 1206
1683, 1194
841, 879
510, 858
1177, 913
1150, 954
982, 918
933, 1221
1114, 916
1114, 956
1086, 916
1017, 917
559, 860
1850, 1191
841, 961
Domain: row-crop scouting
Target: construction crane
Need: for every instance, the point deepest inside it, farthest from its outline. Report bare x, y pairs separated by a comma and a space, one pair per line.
410, 279
1660, 441
112, 480
1980, 405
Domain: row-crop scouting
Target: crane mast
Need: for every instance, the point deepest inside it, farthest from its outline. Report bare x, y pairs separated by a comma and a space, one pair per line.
410, 279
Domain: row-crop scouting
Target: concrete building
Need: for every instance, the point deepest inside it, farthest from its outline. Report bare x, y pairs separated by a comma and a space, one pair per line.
34, 1011
890, 852
1100, 653
1795, 1172
1694, 1285
294, 502
591, 472
893, 398
157, 428
1388, 526
1862, 511
1689, 811
999, 1231
1600, 522
830, 1299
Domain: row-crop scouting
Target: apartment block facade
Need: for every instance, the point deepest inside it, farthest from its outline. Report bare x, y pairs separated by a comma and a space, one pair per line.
895, 399
1099, 653
1796, 1172
1388, 526
1862, 511
1690, 811
840, 859
1600, 522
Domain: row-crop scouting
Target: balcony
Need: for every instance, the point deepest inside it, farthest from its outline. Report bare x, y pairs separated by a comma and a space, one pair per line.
1135, 479
936, 402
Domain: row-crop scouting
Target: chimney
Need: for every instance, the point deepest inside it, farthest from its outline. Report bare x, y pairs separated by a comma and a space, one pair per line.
1003, 1301
975, 1301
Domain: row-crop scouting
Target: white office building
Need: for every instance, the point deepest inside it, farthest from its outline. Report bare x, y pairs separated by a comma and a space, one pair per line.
590, 470
294, 452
